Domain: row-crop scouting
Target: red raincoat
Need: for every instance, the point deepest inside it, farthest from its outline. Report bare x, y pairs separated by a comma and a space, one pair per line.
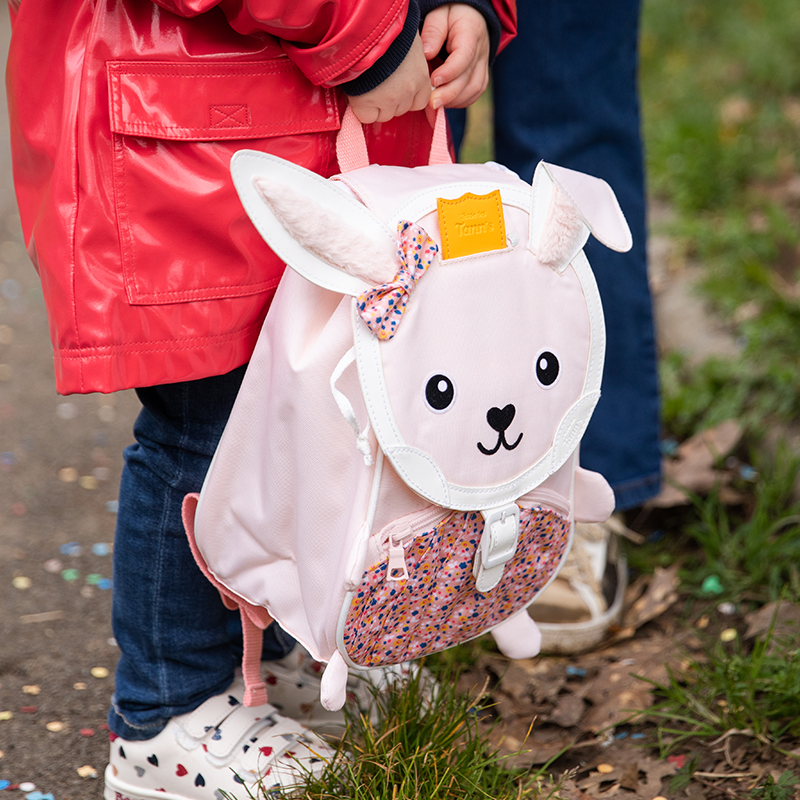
124, 117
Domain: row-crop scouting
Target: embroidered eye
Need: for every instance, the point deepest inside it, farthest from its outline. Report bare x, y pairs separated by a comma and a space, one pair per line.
440, 392
547, 368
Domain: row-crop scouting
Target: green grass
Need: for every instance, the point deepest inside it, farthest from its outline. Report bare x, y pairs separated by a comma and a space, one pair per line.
756, 554
722, 120
753, 552
423, 746
752, 691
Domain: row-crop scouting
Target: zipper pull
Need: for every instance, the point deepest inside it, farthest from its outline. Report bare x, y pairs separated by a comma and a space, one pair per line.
396, 569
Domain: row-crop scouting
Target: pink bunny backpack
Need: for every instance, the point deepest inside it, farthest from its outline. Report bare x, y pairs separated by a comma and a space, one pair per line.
400, 470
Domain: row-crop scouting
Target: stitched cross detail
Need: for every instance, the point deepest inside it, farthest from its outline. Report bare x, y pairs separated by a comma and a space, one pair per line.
234, 116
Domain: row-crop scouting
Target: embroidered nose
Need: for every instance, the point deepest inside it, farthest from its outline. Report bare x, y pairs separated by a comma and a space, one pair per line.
501, 418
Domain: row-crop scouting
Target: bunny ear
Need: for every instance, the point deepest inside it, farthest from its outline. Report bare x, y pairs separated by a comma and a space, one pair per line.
567, 206
318, 230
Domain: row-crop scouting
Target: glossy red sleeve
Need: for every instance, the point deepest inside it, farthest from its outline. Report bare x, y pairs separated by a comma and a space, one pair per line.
507, 12
331, 42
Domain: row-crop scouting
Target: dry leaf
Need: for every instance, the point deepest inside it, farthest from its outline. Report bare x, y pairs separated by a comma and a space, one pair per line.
787, 622
661, 593
693, 468
568, 711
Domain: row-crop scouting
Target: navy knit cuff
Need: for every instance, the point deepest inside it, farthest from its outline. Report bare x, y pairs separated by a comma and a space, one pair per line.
390, 60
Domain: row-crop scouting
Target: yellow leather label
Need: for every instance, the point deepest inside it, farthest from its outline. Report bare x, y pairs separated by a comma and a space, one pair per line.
471, 224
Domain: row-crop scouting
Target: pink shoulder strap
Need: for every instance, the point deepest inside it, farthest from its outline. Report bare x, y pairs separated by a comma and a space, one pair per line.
254, 618
351, 144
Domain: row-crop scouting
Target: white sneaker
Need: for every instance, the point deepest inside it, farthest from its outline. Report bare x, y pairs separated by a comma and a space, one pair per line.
576, 611
222, 746
293, 687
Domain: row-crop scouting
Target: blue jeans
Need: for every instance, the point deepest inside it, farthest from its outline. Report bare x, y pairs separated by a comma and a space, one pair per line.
565, 91
178, 644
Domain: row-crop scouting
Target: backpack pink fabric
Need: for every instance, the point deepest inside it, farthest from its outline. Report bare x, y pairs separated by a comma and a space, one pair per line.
386, 497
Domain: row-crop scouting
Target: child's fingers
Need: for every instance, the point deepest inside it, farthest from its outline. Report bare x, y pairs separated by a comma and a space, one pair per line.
408, 88
434, 31
464, 76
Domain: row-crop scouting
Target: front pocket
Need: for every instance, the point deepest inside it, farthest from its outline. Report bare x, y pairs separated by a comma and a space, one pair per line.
183, 233
438, 605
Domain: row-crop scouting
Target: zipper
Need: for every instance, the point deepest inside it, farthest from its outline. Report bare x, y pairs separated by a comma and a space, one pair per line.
546, 499
400, 532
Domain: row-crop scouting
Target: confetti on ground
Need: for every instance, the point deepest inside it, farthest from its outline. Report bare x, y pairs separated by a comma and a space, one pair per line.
4, 785
87, 482
53, 565
68, 474
28, 709
70, 575
18, 509
79, 686
21, 582
55, 726
703, 622
4, 715
32, 689
39, 796
678, 761
106, 414
112, 506
11, 289
712, 585
27, 786
71, 548
604, 769
727, 609
2, 755
87, 771
43, 616
87, 732
104, 584
101, 548
101, 473
99, 672
67, 410
93, 578
728, 635
87, 591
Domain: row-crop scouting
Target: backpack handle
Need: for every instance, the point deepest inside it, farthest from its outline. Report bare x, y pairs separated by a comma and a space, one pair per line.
351, 143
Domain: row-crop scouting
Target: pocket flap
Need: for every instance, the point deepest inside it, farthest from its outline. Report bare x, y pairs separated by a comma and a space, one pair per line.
212, 101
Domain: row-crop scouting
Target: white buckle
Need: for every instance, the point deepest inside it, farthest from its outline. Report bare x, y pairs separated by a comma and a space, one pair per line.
497, 546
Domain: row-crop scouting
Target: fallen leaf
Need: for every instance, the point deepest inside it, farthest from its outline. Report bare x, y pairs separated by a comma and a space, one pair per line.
786, 615
568, 711
692, 471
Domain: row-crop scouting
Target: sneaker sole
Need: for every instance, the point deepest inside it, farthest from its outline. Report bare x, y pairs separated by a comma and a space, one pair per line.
569, 638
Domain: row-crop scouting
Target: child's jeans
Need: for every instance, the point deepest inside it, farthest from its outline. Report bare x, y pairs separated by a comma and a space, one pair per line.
565, 91
178, 643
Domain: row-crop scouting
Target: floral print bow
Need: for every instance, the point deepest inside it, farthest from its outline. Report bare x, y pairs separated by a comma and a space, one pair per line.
382, 306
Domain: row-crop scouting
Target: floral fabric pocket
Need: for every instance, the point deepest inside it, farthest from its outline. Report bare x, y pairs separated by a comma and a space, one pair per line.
422, 597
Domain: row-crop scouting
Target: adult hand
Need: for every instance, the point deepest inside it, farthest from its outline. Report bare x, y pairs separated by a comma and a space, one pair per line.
464, 76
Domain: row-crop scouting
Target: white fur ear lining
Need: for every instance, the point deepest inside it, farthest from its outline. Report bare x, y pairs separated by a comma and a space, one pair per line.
564, 231
329, 237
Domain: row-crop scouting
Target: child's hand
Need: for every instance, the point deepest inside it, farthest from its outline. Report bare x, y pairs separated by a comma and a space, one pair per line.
463, 78
408, 88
